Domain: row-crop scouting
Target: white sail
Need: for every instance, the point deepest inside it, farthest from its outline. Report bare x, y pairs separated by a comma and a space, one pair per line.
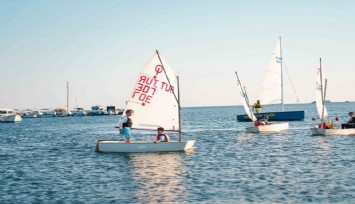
320, 83
153, 99
271, 87
244, 100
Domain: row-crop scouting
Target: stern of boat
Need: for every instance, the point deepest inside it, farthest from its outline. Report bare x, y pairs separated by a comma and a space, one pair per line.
317, 131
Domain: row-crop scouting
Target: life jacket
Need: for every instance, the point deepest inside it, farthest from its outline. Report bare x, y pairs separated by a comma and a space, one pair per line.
330, 124
323, 126
129, 123
165, 136
257, 105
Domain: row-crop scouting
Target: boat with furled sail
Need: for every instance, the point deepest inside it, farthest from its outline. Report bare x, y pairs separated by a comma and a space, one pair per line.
156, 103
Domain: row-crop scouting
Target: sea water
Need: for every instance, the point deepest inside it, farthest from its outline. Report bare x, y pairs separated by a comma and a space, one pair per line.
52, 160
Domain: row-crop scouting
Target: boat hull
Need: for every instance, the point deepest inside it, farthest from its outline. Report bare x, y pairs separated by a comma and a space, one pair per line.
120, 146
276, 127
275, 116
335, 131
11, 118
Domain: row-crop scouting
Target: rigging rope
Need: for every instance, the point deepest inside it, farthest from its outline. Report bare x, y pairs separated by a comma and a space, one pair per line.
289, 78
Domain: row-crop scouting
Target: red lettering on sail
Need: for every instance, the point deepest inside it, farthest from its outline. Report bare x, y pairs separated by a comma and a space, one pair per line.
142, 97
139, 87
158, 69
153, 89
134, 93
142, 79
146, 88
148, 99
166, 87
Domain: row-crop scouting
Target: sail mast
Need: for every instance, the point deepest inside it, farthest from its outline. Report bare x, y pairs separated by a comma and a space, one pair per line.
323, 91
177, 98
282, 83
246, 96
180, 132
68, 96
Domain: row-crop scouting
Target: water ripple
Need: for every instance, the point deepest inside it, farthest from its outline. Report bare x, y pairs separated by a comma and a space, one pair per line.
52, 160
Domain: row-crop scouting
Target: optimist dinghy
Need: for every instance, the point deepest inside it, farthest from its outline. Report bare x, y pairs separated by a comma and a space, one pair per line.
156, 103
325, 128
267, 128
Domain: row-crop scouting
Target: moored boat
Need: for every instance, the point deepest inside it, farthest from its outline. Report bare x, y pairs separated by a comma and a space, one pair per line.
9, 116
78, 112
31, 113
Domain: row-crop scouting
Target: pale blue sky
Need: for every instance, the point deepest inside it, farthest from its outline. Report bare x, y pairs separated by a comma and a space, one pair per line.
101, 46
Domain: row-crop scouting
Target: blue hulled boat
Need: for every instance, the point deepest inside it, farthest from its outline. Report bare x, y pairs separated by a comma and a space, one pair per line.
272, 92
275, 116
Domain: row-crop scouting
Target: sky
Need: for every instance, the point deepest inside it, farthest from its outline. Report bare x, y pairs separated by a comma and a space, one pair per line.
101, 46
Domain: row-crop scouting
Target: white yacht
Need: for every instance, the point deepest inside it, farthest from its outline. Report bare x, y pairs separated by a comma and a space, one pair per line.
62, 112
31, 113
9, 115
79, 112
46, 113
98, 110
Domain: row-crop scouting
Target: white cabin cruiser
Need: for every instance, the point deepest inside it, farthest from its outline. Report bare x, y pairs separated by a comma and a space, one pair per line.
31, 114
47, 113
78, 112
9, 116
62, 112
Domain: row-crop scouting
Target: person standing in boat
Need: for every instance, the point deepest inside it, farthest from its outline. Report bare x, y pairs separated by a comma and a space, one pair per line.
125, 125
350, 123
257, 106
162, 136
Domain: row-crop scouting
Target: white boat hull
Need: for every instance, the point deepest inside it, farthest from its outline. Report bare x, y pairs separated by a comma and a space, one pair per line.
120, 146
334, 131
273, 127
11, 118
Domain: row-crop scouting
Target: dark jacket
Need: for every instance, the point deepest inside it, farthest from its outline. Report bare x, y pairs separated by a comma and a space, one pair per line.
352, 120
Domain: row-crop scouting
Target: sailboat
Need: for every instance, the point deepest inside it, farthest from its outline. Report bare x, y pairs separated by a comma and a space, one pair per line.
64, 112
156, 103
323, 128
271, 127
272, 91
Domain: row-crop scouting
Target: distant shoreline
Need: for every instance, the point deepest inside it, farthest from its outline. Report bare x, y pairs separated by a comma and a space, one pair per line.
306, 103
